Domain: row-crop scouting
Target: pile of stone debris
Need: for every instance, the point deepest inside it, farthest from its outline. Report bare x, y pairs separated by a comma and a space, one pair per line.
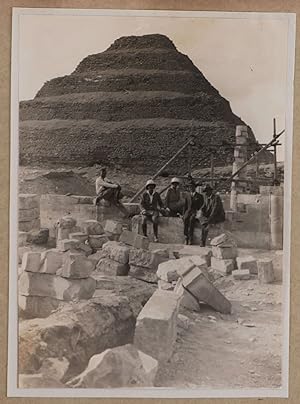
102, 298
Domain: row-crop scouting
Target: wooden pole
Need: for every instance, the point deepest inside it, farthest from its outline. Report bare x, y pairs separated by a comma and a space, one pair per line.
190, 151
275, 151
161, 169
271, 143
212, 168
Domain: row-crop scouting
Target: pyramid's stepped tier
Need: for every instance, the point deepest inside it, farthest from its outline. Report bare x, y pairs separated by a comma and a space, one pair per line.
143, 145
116, 106
144, 59
134, 104
128, 80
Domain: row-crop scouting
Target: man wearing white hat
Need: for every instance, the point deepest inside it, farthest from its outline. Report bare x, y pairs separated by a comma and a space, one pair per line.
151, 204
174, 201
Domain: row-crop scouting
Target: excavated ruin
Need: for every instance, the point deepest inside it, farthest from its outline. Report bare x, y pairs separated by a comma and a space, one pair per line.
133, 105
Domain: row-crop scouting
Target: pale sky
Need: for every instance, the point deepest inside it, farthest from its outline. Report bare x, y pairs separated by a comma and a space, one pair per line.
245, 59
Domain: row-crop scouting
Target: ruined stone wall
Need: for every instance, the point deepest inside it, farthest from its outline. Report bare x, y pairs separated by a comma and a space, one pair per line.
250, 225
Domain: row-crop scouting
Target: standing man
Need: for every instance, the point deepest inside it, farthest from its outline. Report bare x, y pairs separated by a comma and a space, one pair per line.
151, 204
193, 203
212, 210
109, 191
174, 201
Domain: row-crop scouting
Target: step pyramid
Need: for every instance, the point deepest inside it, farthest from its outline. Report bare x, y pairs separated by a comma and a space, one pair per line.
131, 106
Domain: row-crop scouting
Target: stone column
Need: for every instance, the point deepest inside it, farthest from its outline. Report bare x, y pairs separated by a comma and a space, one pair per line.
240, 157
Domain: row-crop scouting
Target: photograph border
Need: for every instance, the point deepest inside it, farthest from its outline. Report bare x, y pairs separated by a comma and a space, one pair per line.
13, 390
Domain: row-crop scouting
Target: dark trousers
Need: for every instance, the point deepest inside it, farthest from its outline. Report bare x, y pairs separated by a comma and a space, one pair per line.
204, 233
152, 217
113, 196
175, 208
189, 225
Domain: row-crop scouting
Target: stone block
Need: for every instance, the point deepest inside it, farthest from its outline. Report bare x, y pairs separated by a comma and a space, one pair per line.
165, 285
224, 252
28, 226
278, 265
222, 238
200, 262
134, 239
103, 281
22, 238
156, 325
31, 261
47, 285
98, 255
67, 244
123, 366
141, 242
167, 271
85, 249
21, 251
265, 270
92, 227
66, 222
97, 241
187, 300
241, 274
150, 365
38, 237
127, 237
203, 252
111, 267
28, 201
76, 266
63, 234
113, 227
247, 263
112, 237
204, 291
162, 252
81, 237
26, 215
38, 381
117, 252
37, 306
223, 266
145, 274
145, 258
51, 261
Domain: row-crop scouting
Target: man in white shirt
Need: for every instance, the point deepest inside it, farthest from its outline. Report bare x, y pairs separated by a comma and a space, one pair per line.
109, 191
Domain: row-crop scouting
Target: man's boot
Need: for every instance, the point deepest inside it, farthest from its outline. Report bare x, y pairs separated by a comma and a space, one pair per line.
155, 231
187, 240
144, 229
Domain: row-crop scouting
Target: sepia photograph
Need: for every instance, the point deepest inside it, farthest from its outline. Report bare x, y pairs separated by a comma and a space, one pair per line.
150, 216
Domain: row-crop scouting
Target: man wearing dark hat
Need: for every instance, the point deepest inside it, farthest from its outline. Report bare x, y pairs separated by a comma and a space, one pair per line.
193, 203
212, 210
151, 204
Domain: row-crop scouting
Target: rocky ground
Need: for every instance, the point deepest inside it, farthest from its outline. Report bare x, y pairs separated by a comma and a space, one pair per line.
240, 350
212, 350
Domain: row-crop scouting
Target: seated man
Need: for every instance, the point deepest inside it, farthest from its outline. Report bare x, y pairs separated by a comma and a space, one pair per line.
109, 191
151, 204
212, 210
193, 204
174, 202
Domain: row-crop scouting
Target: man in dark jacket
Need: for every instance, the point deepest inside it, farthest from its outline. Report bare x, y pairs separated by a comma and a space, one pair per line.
193, 203
212, 210
151, 204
